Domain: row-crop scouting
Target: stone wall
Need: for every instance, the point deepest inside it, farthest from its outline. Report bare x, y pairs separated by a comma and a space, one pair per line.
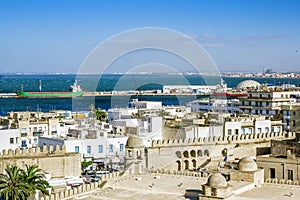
194, 154
51, 160
75, 192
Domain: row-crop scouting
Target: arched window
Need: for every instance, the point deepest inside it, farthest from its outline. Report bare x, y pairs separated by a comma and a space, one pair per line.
206, 152
199, 153
178, 154
193, 153
186, 154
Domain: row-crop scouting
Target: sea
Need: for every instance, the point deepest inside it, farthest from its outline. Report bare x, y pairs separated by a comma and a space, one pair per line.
107, 82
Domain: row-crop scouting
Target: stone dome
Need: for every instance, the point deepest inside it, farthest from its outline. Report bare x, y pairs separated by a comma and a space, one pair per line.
247, 164
217, 181
248, 84
134, 141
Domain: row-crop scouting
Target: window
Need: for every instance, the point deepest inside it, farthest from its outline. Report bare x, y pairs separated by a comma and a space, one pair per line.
54, 130
121, 147
290, 174
24, 144
267, 130
250, 130
229, 131
35, 141
76, 149
243, 131
100, 148
272, 173
278, 129
111, 148
23, 132
88, 149
236, 131
17, 140
259, 130
11, 140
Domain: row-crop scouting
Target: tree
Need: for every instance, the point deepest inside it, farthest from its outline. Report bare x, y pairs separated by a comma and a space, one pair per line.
34, 177
19, 184
100, 114
85, 164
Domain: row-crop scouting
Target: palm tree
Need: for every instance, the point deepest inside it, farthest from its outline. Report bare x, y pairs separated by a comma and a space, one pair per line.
18, 184
34, 177
12, 185
100, 114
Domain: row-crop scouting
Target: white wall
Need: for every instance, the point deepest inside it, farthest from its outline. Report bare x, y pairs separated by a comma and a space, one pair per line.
5, 142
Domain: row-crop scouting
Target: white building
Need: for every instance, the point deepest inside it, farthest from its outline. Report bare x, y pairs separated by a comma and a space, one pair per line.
267, 102
189, 89
93, 144
9, 139
135, 103
248, 124
215, 105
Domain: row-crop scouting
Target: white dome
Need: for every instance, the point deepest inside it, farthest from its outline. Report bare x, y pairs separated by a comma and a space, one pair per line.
248, 84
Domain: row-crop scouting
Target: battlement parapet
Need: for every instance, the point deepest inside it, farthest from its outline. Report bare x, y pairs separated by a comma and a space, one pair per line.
34, 151
234, 139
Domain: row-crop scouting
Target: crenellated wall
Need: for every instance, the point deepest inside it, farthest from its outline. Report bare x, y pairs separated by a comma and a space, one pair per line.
52, 160
76, 192
247, 138
200, 153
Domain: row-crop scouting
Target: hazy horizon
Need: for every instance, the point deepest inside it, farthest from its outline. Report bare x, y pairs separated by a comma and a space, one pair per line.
239, 35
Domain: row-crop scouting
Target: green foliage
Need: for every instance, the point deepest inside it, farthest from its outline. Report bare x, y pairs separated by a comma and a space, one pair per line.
19, 184
85, 164
98, 113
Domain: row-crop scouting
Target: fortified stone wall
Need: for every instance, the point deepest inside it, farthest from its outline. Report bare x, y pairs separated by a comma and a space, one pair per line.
51, 160
200, 153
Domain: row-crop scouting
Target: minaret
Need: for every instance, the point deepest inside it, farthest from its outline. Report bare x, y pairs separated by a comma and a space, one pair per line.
134, 155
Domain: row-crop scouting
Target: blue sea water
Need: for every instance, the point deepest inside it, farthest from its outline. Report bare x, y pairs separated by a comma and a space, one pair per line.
13, 83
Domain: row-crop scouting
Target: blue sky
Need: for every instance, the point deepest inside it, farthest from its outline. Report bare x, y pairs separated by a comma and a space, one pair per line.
239, 35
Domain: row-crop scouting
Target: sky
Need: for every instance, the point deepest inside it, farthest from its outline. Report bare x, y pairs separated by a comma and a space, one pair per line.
56, 36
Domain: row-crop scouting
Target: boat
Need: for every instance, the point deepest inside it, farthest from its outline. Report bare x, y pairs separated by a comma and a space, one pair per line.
75, 91
223, 91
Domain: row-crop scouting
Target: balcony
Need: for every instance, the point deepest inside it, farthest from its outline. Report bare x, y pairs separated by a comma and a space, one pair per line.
37, 133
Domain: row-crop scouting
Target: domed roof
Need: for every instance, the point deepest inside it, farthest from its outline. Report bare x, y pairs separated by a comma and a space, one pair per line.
217, 181
248, 84
247, 164
134, 141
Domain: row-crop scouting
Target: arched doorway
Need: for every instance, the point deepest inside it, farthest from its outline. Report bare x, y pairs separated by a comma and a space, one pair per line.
186, 165
194, 163
178, 165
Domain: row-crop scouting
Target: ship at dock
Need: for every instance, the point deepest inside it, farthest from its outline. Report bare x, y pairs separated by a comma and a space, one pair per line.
74, 91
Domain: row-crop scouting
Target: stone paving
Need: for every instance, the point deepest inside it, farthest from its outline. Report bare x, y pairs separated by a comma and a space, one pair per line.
150, 187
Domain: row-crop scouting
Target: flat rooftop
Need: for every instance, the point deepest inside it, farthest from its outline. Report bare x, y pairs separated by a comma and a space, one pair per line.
166, 187
170, 187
